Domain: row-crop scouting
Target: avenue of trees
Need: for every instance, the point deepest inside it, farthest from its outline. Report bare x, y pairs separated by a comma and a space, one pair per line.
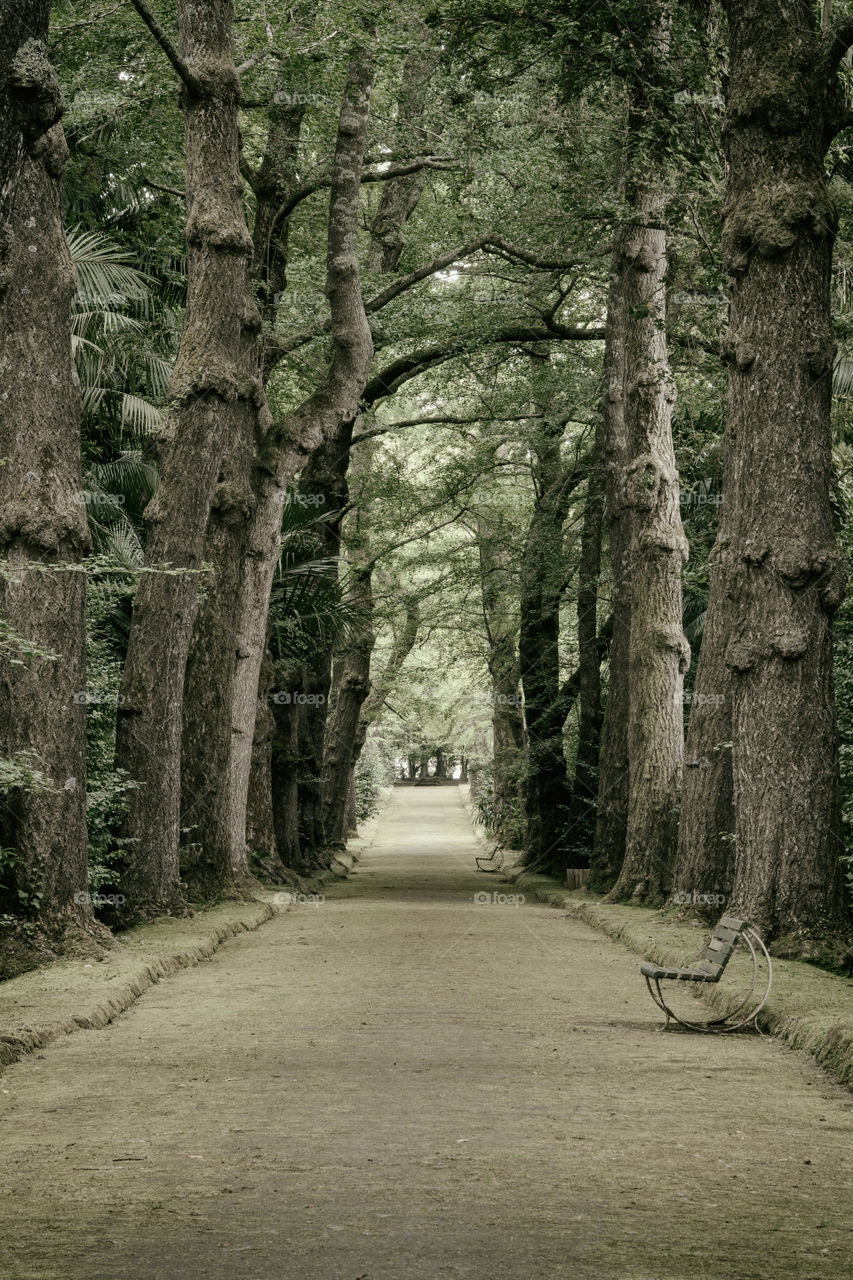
425, 390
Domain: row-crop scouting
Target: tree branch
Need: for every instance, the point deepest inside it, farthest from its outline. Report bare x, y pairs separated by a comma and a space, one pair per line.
443, 421
368, 175
380, 300
159, 186
835, 43
389, 379
166, 45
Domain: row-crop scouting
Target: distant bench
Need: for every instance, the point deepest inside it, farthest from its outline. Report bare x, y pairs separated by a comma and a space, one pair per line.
708, 966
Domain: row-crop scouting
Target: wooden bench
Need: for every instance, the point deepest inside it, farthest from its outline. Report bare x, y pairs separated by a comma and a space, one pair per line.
708, 966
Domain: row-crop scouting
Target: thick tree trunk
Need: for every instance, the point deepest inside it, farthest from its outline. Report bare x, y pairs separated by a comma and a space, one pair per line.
705, 862
43, 530
260, 822
286, 766
585, 786
502, 659
658, 651
547, 794
208, 396
353, 680
206, 857
608, 849
787, 572
324, 482
291, 442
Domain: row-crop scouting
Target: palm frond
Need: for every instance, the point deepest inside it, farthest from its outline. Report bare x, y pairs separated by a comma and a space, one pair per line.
143, 418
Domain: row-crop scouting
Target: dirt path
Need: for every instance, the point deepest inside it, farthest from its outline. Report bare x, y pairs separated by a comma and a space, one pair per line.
404, 1084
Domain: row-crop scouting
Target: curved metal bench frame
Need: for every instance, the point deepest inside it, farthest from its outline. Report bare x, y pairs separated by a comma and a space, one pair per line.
725, 1024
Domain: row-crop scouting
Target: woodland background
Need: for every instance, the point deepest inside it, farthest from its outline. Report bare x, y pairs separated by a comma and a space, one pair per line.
425, 390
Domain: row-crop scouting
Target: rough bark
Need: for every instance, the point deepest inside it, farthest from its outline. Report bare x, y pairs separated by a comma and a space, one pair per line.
779, 224
291, 442
508, 735
352, 684
207, 392
285, 768
43, 530
705, 860
260, 820
585, 785
658, 650
324, 483
547, 793
608, 848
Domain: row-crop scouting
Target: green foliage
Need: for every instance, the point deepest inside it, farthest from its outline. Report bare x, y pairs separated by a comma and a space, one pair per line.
372, 772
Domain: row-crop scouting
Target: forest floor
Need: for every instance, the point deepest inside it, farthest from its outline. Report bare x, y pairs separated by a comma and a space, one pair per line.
405, 1083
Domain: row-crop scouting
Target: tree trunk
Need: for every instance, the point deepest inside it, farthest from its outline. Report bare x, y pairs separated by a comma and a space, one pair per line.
352, 808
705, 862
608, 848
43, 524
542, 580
585, 787
658, 652
502, 660
291, 442
381, 685
260, 820
787, 572
208, 397
324, 482
353, 686
285, 768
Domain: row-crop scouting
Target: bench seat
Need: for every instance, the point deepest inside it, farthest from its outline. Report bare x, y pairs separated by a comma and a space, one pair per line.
683, 975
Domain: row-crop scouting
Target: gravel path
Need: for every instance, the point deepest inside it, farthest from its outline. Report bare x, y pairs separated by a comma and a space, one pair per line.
402, 1083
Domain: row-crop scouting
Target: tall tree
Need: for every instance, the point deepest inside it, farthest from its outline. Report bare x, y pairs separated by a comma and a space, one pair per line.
209, 394
501, 630
290, 441
43, 530
658, 650
785, 104
590, 711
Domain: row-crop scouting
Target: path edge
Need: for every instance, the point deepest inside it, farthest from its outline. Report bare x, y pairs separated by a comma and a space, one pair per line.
203, 934
831, 1046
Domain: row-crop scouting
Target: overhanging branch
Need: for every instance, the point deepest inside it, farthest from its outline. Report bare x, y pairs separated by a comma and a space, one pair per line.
166, 45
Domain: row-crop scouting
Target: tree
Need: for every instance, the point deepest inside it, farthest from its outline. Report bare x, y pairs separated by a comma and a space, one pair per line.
785, 104
658, 651
43, 530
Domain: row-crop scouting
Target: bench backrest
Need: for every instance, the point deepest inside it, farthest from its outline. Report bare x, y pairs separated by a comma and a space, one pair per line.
720, 948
